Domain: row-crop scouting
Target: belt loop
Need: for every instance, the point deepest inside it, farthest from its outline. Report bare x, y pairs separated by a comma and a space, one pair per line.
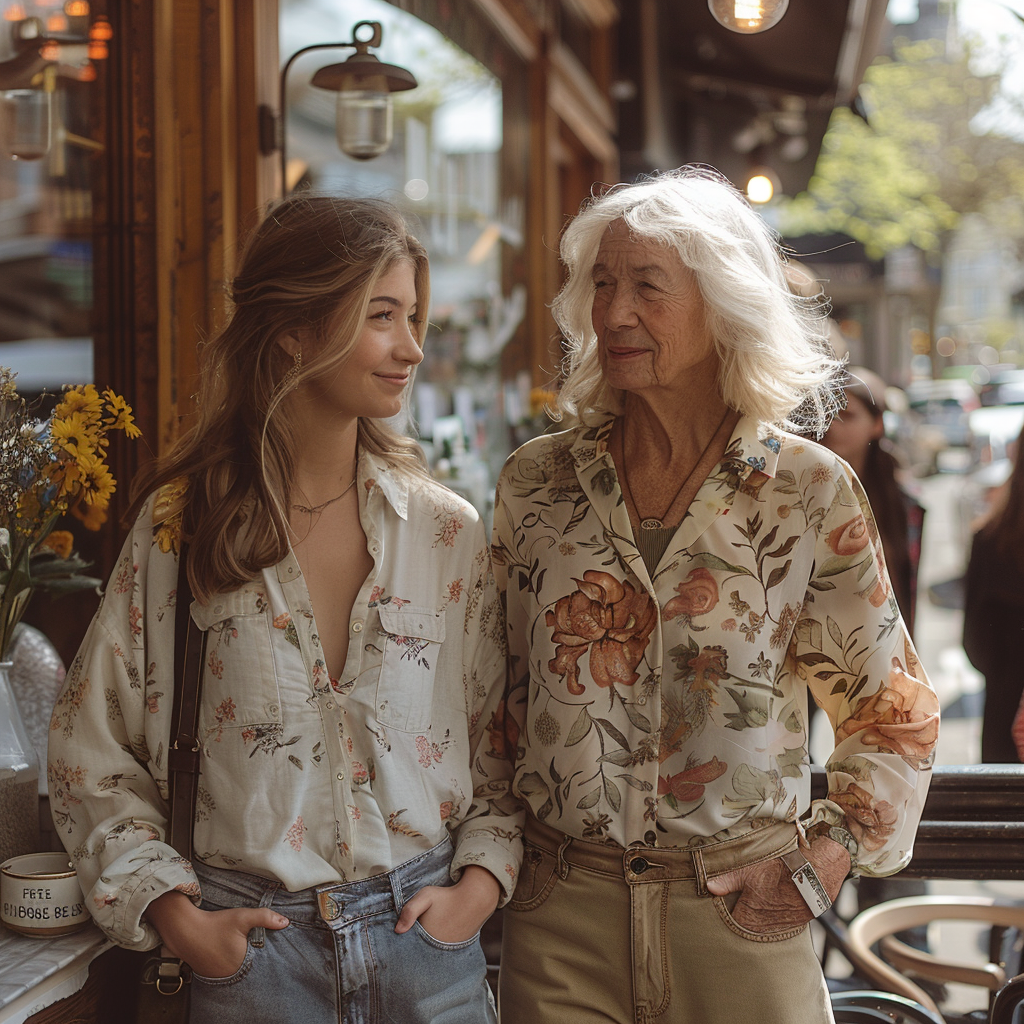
563, 867
396, 891
266, 900
700, 871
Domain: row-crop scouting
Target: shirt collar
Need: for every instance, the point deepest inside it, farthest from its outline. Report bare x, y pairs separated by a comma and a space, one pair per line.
374, 473
753, 447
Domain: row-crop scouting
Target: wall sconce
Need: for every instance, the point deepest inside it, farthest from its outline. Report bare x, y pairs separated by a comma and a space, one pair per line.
748, 16
364, 121
29, 79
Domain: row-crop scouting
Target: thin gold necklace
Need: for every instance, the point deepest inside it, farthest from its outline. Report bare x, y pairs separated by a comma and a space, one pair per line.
314, 509
652, 523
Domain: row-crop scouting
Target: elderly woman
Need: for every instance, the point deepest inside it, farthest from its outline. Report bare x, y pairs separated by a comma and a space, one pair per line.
678, 570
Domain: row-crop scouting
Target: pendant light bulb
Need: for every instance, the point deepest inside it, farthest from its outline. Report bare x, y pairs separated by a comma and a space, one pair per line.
748, 16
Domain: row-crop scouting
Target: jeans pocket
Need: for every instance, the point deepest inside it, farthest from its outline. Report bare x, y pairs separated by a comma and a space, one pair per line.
724, 905
453, 947
537, 878
231, 979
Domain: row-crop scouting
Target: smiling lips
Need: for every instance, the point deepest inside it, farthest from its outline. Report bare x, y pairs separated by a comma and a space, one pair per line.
623, 351
396, 380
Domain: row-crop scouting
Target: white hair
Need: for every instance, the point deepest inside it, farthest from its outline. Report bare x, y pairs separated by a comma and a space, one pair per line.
776, 362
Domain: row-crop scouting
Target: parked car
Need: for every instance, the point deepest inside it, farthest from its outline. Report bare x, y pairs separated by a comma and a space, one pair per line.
940, 434
1005, 388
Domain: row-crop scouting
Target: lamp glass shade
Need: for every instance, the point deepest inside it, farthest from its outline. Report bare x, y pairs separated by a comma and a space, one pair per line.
365, 122
748, 16
26, 123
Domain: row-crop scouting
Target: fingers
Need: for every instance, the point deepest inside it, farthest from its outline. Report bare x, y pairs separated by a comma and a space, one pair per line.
259, 917
411, 912
731, 881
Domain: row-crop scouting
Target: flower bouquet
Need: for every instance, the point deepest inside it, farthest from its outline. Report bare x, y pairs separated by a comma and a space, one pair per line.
48, 468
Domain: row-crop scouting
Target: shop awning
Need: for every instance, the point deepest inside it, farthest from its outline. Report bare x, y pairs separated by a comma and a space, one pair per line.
737, 101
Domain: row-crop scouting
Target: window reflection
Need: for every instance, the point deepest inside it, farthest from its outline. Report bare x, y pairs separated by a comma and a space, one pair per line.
47, 92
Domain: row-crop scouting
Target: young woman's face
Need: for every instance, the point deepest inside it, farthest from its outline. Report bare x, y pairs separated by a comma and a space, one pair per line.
851, 432
372, 380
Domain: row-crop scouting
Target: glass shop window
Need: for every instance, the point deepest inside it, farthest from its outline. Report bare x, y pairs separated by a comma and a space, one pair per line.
443, 170
49, 50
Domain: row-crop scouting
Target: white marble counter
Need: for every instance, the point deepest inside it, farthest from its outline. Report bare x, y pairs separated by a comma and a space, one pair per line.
34, 973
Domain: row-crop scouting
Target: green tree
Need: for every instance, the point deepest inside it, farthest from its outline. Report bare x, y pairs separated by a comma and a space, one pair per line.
932, 150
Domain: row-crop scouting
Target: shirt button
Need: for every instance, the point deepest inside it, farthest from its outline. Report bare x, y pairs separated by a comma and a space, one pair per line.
650, 838
374, 548
329, 705
357, 627
638, 865
341, 776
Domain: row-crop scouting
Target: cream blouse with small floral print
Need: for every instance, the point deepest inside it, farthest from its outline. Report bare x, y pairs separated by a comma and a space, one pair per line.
671, 707
304, 779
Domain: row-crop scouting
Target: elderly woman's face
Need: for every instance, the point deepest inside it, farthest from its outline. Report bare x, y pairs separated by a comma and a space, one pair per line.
649, 316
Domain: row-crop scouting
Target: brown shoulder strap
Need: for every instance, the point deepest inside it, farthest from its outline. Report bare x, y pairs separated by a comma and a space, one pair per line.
183, 754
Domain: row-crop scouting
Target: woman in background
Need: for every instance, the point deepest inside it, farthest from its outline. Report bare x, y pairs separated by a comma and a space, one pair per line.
994, 618
857, 435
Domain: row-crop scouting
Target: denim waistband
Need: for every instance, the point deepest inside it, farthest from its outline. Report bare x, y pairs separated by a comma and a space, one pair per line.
334, 905
639, 864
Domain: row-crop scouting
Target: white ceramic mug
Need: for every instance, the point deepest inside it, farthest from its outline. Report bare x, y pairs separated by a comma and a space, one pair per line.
40, 895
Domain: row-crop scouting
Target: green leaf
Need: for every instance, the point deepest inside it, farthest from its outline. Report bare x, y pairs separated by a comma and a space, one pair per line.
779, 573
580, 727
642, 784
621, 758
590, 800
835, 632
706, 560
613, 732
637, 717
611, 792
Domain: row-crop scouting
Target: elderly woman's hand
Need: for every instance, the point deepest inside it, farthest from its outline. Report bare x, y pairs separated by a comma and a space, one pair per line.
769, 900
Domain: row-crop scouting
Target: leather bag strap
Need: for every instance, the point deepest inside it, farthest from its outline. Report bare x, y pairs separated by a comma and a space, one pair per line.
183, 754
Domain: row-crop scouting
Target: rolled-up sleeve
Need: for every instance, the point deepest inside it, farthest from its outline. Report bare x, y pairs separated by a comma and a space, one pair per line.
491, 833
107, 765
856, 656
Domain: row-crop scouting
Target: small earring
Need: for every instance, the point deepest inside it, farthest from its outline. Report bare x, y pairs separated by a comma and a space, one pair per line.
289, 380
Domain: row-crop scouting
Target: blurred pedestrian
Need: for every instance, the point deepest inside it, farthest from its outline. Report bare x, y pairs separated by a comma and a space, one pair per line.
857, 435
994, 617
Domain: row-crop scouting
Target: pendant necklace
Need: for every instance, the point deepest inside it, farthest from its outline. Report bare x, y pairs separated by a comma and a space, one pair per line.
314, 509
650, 522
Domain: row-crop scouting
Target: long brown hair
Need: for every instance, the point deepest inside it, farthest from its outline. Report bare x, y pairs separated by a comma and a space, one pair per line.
1005, 523
880, 477
310, 266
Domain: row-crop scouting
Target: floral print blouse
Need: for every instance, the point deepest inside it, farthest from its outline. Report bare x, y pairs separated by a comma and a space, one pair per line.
304, 778
671, 707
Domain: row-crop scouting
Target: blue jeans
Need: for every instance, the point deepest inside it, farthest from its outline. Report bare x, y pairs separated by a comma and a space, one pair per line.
340, 961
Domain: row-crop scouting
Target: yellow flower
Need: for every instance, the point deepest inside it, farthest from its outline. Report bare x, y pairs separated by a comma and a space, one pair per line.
84, 399
168, 535
96, 484
120, 417
73, 434
92, 516
60, 542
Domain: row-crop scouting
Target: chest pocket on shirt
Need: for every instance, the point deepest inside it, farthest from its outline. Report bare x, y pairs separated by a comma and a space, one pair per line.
411, 642
239, 679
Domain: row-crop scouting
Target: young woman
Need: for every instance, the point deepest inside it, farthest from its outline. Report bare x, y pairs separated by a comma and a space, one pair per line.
343, 865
